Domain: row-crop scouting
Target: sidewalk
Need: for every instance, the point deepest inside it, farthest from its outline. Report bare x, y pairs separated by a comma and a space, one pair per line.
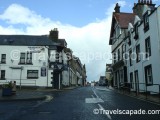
23, 95
31, 94
150, 98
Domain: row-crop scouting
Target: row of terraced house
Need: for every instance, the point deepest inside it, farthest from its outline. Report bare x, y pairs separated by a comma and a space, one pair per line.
42, 60
135, 47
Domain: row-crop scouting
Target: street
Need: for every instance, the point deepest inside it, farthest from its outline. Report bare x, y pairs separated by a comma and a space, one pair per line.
83, 103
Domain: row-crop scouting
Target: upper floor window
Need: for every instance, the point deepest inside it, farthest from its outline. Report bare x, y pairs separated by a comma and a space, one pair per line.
146, 21
26, 58
130, 57
118, 54
129, 38
136, 31
138, 57
148, 47
29, 58
2, 74
22, 58
148, 74
3, 58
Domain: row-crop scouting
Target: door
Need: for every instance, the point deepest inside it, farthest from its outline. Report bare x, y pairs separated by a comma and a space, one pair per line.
136, 81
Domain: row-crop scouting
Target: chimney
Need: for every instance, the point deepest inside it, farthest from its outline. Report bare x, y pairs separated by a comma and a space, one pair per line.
150, 1
117, 8
53, 34
139, 1
144, 2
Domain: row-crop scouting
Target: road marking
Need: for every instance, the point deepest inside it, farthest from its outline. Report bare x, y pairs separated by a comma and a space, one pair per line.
93, 100
48, 99
95, 93
104, 110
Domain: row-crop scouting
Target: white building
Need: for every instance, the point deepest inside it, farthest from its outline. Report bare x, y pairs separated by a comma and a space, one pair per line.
34, 61
139, 48
144, 47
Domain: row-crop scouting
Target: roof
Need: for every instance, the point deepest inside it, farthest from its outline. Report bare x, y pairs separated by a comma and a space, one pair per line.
123, 19
26, 40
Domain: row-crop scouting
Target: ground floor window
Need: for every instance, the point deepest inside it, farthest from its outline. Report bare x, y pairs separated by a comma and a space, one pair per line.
32, 74
148, 74
2, 74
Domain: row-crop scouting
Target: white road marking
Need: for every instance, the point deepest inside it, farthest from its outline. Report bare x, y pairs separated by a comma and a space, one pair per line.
105, 113
48, 98
93, 100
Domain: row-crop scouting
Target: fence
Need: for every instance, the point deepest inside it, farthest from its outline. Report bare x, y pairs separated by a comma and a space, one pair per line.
141, 89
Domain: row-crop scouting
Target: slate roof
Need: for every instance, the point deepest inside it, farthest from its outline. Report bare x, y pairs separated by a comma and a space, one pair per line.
124, 19
26, 40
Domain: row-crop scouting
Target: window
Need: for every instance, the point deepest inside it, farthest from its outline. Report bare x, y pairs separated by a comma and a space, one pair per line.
129, 38
32, 74
130, 57
146, 21
57, 56
3, 58
148, 47
148, 75
22, 58
138, 57
118, 54
29, 58
2, 74
136, 31
114, 57
131, 80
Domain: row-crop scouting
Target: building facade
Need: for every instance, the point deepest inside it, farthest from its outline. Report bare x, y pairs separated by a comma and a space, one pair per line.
141, 48
35, 61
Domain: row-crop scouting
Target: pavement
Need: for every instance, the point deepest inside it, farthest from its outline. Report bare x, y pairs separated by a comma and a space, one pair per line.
30, 94
142, 96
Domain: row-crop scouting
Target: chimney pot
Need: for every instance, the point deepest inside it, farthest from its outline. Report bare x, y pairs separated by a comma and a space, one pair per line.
117, 8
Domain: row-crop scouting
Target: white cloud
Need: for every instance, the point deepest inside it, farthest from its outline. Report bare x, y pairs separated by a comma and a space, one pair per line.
122, 3
85, 41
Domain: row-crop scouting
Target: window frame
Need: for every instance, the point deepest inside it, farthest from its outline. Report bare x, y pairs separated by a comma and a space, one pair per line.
148, 69
146, 21
138, 57
130, 58
3, 58
33, 71
3, 78
136, 36
29, 58
148, 47
22, 58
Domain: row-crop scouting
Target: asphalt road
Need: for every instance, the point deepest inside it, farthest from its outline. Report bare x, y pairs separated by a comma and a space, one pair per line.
85, 103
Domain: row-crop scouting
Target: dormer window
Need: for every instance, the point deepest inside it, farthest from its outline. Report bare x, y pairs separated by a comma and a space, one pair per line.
136, 31
129, 38
146, 21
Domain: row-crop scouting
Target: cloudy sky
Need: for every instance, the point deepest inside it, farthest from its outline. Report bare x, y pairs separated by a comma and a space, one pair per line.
85, 24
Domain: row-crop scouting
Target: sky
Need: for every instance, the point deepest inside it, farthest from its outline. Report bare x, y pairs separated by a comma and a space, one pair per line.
84, 24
